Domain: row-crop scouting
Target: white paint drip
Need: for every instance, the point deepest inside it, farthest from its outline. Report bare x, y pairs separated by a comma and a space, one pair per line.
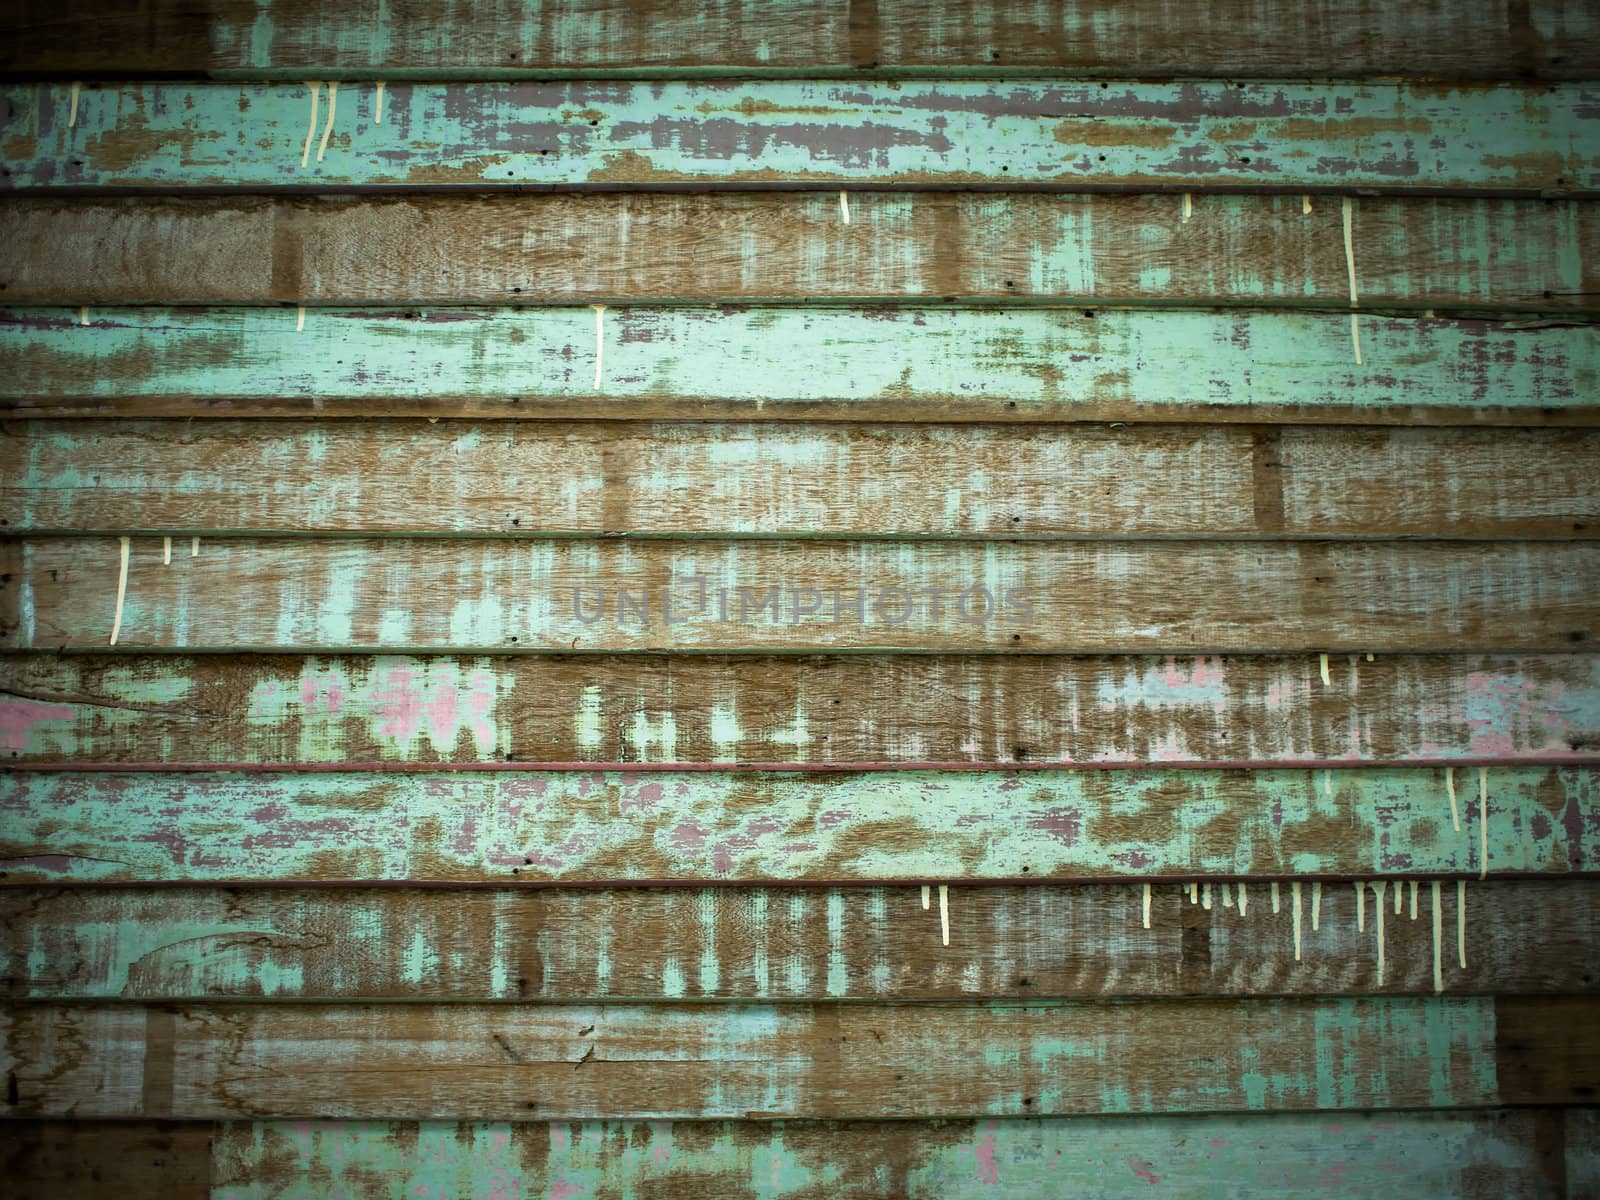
944, 914
1450, 786
72, 108
1322, 661
1277, 903
83, 315
1316, 907
1361, 907
1461, 922
1188, 206
1205, 896
1194, 893
1483, 822
1413, 899
844, 206
1355, 336
1370, 658
166, 551
327, 130
377, 113
314, 86
300, 319
1294, 900
1438, 936
1327, 782
1349, 206
1378, 886
1305, 205
122, 591
1244, 901
1227, 896
1397, 899
1147, 906
599, 341
927, 894
194, 547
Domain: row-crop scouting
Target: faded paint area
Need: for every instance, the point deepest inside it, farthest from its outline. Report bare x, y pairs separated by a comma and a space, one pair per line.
1090, 710
1002, 364
1389, 1156
1214, 135
604, 827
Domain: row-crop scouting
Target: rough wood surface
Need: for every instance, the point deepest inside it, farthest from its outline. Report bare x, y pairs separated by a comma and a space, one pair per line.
522, 478
75, 1160
695, 826
1193, 136
1020, 364
421, 712
554, 944
795, 247
505, 1062
481, 594
1497, 39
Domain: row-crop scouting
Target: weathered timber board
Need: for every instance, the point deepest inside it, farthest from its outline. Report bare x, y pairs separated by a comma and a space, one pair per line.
479, 594
1497, 39
1525, 1154
620, 827
524, 478
501, 1062
908, 709
86, 1160
554, 944
1206, 135
1026, 364
795, 247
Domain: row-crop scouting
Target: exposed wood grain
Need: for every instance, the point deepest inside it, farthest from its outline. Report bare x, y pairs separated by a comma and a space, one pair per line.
1527, 1029
1206, 135
618, 827
71, 1160
1498, 39
479, 594
525, 479
1485, 255
553, 944
424, 712
502, 1062
1027, 364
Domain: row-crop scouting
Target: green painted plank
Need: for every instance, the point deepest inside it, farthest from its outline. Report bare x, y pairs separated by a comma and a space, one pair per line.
916, 364
1489, 1155
594, 826
426, 712
536, 1061
432, 39
186, 944
474, 595
1179, 136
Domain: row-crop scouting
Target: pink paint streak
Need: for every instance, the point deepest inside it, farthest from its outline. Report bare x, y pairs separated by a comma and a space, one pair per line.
988, 1169
19, 717
1142, 1170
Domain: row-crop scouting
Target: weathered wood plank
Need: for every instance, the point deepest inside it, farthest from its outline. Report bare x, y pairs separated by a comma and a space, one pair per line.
639, 827
557, 944
1489, 1155
527, 479
1550, 39
1028, 364
70, 1160
479, 594
908, 709
503, 1062
794, 247
1204, 135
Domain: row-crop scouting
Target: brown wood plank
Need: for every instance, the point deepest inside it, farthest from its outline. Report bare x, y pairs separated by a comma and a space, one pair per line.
1495, 39
521, 478
906, 709
71, 1159
557, 944
506, 1062
1449, 254
706, 594
1547, 1050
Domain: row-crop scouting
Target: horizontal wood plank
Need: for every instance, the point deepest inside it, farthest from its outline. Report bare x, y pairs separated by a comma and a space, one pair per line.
69, 1160
796, 247
638, 827
1496, 39
555, 944
1020, 364
523, 478
481, 594
1207, 135
505, 1062
908, 709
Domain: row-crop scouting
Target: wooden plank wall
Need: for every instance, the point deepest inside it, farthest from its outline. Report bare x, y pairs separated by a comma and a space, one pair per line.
800, 598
